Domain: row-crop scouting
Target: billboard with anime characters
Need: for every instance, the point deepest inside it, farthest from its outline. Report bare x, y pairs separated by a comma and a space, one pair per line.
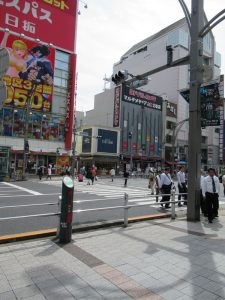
51, 21
30, 74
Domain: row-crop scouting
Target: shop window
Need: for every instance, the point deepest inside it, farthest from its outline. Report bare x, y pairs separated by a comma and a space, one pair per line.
45, 129
168, 139
1, 121
7, 122
18, 124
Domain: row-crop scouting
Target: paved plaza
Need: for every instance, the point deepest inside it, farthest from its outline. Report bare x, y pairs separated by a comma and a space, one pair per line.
160, 259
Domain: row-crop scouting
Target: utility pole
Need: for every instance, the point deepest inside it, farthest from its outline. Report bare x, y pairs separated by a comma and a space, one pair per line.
73, 150
26, 126
196, 79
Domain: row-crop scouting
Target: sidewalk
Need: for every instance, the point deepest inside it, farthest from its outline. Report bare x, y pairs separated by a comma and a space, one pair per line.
155, 260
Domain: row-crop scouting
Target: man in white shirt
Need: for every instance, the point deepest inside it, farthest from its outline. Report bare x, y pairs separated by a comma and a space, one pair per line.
158, 184
165, 185
202, 200
112, 173
210, 192
181, 178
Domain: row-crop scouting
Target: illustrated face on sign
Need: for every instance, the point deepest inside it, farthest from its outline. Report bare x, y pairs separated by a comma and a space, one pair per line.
19, 49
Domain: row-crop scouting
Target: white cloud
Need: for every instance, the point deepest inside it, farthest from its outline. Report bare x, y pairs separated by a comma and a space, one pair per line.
108, 28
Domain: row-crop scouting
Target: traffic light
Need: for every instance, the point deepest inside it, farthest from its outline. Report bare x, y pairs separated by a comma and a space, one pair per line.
120, 77
26, 146
169, 50
130, 134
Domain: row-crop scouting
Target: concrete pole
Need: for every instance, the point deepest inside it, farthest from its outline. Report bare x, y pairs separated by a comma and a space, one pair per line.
196, 78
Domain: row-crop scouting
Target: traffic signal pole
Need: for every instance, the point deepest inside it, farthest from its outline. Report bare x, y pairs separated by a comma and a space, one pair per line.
196, 79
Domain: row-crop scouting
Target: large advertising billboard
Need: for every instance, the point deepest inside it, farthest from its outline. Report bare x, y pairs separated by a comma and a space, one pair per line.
211, 103
87, 140
30, 74
51, 21
141, 98
107, 141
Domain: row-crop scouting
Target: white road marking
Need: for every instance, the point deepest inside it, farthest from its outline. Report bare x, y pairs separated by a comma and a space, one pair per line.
23, 189
31, 195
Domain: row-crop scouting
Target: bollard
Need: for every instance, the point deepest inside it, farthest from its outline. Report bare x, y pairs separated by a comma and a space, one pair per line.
66, 217
125, 210
173, 214
59, 211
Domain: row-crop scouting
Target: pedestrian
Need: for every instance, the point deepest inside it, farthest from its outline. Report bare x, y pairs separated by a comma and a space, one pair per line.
202, 200
158, 184
93, 174
166, 184
223, 182
89, 176
151, 181
126, 176
182, 187
49, 175
40, 172
210, 192
112, 173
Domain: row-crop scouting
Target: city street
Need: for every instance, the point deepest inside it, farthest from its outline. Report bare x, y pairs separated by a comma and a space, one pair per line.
102, 194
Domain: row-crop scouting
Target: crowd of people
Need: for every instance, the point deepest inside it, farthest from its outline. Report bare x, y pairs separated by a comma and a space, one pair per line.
162, 183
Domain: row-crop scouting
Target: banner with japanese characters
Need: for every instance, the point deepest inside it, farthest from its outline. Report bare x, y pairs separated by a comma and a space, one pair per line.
51, 21
30, 74
141, 98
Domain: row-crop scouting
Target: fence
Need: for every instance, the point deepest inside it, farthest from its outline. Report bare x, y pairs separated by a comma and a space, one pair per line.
126, 206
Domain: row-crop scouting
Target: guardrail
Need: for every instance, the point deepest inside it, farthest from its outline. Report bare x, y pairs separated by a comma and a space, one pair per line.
126, 206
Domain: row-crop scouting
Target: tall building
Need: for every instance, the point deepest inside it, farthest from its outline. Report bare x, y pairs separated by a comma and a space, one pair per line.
150, 54
38, 113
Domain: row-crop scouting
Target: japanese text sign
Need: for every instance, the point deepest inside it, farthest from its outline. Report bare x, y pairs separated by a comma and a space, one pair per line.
141, 98
30, 73
51, 21
116, 115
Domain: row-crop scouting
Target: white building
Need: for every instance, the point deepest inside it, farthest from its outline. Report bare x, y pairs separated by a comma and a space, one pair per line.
151, 53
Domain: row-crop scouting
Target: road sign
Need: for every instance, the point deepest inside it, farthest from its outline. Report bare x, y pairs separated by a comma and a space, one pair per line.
4, 61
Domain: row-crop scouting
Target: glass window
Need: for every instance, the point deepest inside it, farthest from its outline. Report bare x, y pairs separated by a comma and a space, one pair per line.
57, 81
7, 122
18, 124
61, 65
1, 121
59, 55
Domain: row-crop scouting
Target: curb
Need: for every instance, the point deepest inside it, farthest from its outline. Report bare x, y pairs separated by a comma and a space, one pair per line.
79, 228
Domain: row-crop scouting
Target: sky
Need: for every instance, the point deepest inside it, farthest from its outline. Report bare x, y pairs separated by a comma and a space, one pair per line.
108, 28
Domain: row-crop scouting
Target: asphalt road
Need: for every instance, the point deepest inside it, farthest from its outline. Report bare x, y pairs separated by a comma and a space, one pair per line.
103, 193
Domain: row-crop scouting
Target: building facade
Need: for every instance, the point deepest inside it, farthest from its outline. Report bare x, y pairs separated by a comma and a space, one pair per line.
38, 113
150, 54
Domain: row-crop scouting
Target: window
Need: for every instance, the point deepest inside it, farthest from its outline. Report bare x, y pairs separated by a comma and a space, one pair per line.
178, 38
204, 139
168, 139
170, 125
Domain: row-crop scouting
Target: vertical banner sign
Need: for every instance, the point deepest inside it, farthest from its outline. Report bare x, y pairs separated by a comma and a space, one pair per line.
70, 103
31, 68
116, 114
51, 21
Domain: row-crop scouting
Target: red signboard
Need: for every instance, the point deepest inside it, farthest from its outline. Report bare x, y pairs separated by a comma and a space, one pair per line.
30, 73
125, 145
51, 21
116, 114
70, 103
134, 146
152, 148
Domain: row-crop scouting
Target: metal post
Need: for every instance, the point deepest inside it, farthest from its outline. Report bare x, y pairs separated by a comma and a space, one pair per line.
125, 210
59, 211
173, 214
196, 78
73, 150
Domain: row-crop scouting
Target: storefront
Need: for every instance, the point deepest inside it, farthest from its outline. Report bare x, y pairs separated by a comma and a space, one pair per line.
4, 163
